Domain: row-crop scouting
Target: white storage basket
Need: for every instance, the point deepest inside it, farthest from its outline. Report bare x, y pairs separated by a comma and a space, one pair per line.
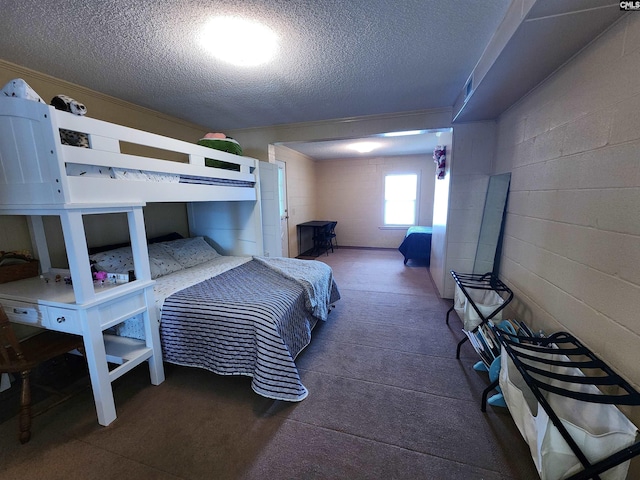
598, 429
486, 300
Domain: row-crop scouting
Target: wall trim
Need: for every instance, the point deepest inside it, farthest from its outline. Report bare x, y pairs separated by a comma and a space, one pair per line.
20, 71
363, 118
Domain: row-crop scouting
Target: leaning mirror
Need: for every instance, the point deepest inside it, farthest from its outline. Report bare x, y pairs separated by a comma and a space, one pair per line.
490, 238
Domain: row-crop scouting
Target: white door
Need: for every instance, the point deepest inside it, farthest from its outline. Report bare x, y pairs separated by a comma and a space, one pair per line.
284, 212
269, 196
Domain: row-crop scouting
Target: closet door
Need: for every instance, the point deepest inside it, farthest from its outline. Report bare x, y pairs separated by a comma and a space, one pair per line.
270, 200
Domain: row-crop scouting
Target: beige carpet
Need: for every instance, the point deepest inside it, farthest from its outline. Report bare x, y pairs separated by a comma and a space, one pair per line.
388, 400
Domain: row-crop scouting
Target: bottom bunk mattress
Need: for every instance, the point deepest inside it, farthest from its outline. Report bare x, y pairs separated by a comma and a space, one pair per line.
251, 320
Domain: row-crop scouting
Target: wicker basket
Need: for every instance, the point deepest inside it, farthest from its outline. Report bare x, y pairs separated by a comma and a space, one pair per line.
9, 273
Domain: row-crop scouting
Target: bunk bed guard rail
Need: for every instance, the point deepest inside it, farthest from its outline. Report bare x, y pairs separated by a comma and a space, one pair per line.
36, 167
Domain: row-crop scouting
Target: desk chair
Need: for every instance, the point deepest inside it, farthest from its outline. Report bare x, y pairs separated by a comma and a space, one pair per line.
332, 234
23, 356
322, 239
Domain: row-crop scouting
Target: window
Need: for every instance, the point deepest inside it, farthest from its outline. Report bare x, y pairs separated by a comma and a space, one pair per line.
400, 193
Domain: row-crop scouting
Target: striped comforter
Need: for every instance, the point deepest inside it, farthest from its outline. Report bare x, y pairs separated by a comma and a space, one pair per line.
251, 320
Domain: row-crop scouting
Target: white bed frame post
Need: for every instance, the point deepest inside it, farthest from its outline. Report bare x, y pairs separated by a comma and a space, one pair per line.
78, 255
135, 217
152, 336
39, 241
137, 232
98, 369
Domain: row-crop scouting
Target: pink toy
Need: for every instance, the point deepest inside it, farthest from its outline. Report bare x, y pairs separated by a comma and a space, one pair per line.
100, 276
215, 135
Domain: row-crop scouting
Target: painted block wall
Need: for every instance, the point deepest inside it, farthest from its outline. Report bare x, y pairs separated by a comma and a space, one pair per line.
301, 191
471, 162
438, 263
351, 191
572, 240
474, 141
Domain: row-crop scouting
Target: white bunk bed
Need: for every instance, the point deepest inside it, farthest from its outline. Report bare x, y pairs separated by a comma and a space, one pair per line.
39, 176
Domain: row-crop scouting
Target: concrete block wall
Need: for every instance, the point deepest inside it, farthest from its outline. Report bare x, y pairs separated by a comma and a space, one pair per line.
351, 192
301, 191
572, 240
471, 163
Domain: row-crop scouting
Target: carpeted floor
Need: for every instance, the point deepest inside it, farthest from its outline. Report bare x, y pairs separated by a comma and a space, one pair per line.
388, 400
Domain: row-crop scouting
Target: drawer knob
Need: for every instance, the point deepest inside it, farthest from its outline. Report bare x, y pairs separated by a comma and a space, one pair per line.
61, 319
20, 311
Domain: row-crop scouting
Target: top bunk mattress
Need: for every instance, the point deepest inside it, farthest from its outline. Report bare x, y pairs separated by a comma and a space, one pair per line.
137, 175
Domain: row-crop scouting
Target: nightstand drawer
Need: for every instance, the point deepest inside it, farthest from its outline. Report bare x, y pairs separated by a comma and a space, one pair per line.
23, 312
64, 320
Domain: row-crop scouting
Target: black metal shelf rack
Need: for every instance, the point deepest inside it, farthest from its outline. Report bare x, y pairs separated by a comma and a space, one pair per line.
564, 350
561, 349
474, 281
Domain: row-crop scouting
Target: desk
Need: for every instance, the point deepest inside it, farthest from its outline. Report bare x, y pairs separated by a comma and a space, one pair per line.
312, 228
85, 308
52, 306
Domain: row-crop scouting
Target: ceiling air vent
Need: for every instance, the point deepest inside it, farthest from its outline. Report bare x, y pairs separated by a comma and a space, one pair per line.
468, 88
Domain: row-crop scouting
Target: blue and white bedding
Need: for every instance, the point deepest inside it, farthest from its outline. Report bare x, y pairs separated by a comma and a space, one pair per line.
250, 320
313, 276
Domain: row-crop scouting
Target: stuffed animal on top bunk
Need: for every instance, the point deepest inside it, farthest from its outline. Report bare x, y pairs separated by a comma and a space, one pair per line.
220, 141
68, 104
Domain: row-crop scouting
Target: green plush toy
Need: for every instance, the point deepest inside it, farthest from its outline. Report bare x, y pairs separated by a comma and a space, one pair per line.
220, 141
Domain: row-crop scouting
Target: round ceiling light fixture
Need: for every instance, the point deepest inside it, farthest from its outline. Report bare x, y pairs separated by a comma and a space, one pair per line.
363, 147
238, 41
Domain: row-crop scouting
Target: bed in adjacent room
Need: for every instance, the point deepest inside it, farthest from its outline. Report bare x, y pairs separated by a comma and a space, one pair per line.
417, 244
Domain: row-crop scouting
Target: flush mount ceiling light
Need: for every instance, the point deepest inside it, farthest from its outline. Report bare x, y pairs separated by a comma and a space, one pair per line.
363, 147
239, 41
403, 134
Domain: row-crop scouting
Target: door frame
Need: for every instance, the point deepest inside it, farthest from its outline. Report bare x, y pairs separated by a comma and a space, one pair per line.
283, 206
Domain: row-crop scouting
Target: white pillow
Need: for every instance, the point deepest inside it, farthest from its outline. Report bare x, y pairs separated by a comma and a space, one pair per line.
191, 251
161, 262
120, 260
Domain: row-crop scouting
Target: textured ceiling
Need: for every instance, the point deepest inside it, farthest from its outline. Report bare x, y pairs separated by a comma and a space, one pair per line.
385, 146
337, 58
